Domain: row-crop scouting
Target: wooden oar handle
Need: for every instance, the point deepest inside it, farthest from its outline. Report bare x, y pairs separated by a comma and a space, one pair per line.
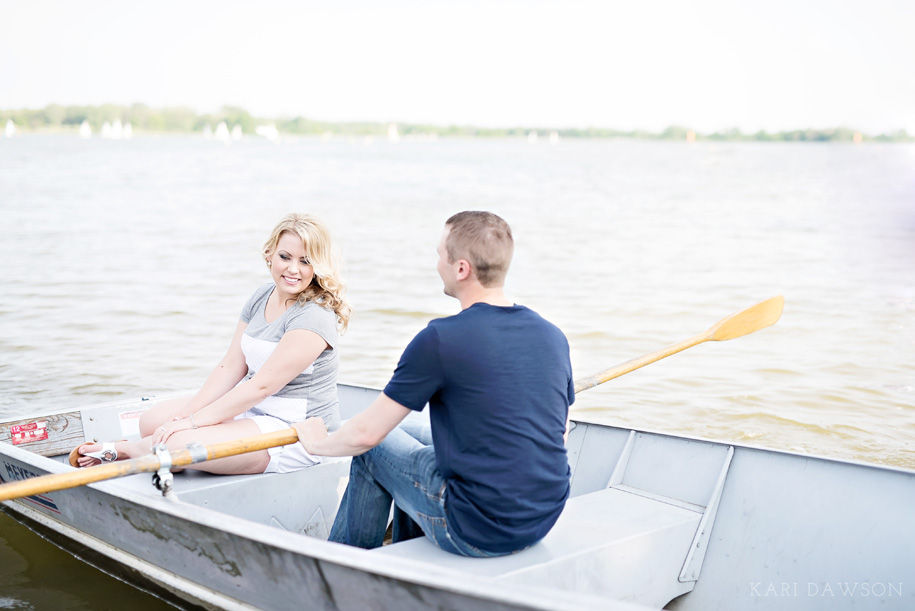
143, 464
636, 363
89, 475
245, 445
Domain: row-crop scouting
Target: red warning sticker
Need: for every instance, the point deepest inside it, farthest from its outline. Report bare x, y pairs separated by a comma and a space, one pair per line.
25, 433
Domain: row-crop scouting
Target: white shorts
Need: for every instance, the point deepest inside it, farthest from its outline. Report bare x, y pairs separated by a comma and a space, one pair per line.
283, 459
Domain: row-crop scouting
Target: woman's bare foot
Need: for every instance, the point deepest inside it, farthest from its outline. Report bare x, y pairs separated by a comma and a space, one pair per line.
91, 454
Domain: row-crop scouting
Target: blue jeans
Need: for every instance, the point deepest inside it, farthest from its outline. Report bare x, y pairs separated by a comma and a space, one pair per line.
401, 470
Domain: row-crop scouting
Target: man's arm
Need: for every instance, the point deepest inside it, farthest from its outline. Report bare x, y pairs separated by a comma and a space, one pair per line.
358, 435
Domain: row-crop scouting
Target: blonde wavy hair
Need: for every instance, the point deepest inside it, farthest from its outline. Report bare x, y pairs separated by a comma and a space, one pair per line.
326, 289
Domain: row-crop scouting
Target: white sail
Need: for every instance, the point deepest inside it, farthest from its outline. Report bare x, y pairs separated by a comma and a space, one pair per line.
106, 129
128, 131
10, 128
85, 130
222, 132
393, 134
270, 132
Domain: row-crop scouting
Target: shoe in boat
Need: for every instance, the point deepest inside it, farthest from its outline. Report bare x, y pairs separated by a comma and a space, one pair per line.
106, 454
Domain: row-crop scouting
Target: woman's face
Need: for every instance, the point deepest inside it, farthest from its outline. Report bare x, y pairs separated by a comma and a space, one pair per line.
289, 265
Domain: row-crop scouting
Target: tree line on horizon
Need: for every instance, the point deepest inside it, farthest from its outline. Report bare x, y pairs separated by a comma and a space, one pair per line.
185, 120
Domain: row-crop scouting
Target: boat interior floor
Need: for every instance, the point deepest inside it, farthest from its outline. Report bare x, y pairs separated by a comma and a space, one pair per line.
639, 539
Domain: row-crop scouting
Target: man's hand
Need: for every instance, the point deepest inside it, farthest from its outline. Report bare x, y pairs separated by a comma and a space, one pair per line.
310, 431
359, 434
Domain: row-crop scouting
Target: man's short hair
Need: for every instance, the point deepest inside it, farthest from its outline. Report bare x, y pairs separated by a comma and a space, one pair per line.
485, 240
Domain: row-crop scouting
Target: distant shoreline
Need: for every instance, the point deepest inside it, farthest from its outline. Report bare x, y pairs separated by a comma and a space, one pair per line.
179, 120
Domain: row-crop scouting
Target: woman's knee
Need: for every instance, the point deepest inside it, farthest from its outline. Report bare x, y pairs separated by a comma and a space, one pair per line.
149, 421
157, 415
180, 440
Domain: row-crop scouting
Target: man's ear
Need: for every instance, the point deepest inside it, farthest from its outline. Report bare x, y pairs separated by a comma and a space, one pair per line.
463, 269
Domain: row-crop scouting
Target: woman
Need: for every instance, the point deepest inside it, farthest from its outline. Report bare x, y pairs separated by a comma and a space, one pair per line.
281, 365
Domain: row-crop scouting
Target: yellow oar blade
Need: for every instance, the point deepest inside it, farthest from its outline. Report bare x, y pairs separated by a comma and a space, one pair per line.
742, 323
143, 464
760, 316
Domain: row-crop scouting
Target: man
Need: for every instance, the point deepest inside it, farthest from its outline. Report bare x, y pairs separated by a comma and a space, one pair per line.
493, 476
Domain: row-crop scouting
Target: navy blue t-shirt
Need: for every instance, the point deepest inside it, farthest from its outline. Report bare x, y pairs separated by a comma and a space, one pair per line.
498, 381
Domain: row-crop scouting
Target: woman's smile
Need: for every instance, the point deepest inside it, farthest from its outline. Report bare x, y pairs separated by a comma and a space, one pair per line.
290, 267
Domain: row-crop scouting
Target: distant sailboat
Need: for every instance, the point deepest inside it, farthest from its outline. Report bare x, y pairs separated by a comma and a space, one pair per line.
117, 130
267, 131
106, 129
10, 128
236, 132
85, 130
222, 132
128, 131
532, 137
393, 134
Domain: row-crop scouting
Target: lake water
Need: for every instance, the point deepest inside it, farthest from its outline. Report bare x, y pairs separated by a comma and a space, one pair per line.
124, 266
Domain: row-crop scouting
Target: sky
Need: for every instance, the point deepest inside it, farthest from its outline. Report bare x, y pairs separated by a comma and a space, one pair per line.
708, 65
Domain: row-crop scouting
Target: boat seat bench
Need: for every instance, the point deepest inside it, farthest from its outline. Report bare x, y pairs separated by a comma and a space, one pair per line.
641, 539
304, 501
610, 542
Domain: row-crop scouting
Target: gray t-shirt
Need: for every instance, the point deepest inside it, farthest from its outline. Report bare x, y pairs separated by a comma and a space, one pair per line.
315, 389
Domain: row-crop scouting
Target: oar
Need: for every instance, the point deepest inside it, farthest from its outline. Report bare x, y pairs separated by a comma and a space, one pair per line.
143, 464
743, 323
748, 321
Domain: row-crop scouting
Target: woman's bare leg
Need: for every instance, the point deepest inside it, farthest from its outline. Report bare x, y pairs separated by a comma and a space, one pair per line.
252, 462
161, 413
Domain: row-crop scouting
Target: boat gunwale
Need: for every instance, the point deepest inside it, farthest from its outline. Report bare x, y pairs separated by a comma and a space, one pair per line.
574, 420
742, 446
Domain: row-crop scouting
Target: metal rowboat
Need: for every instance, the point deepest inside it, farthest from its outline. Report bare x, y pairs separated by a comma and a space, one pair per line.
655, 521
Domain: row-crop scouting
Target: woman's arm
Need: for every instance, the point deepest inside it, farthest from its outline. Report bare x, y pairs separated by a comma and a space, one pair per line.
296, 350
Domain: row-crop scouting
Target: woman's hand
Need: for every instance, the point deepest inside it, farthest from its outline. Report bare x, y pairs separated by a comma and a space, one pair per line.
161, 434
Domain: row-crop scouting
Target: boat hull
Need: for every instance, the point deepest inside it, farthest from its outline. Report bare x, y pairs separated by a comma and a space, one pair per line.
789, 532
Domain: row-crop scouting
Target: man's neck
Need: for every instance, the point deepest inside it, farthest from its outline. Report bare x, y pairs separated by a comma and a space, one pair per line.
493, 296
